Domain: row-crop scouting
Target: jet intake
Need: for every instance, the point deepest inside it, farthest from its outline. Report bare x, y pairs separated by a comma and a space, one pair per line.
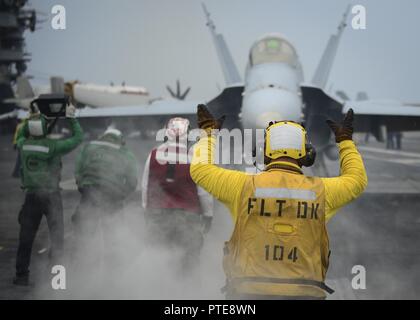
270, 104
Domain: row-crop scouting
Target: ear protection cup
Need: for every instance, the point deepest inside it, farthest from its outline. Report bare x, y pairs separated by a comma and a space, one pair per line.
254, 151
309, 159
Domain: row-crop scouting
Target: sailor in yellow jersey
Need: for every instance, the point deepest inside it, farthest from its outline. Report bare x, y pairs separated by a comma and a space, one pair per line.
279, 247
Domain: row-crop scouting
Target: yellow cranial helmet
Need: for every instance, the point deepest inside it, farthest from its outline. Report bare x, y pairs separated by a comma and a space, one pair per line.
285, 139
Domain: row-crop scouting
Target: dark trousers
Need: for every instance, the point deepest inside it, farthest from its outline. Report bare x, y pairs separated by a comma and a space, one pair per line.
97, 212
35, 206
176, 228
94, 205
17, 168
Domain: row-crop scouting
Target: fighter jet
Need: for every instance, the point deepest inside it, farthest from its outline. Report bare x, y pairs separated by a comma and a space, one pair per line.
274, 90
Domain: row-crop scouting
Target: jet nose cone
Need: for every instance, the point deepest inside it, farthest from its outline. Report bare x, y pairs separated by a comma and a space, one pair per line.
265, 118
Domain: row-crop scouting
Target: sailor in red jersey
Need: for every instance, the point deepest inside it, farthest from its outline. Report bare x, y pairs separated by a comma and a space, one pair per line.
177, 212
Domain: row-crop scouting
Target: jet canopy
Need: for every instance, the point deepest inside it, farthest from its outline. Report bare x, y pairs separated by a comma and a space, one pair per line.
272, 49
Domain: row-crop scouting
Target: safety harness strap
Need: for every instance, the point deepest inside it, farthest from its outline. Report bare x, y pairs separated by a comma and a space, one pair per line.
307, 282
282, 167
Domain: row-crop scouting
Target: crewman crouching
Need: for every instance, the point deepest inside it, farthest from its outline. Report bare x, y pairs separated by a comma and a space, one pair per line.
106, 175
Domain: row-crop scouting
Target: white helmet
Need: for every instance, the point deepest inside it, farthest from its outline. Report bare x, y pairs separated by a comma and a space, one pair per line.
37, 125
113, 131
114, 134
177, 127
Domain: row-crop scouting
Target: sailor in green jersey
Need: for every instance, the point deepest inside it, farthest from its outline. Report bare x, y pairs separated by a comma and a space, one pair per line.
41, 173
106, 174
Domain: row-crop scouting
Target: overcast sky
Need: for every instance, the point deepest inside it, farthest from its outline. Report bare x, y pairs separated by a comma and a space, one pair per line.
152, 43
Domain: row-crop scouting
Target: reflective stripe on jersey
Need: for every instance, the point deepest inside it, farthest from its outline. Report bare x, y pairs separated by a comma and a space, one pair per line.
106, 144
36, 148
285, 193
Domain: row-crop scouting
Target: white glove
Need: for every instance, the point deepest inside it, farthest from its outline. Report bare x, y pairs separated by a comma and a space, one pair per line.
70, 111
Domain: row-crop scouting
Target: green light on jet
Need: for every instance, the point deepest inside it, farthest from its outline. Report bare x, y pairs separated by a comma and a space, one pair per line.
273, 44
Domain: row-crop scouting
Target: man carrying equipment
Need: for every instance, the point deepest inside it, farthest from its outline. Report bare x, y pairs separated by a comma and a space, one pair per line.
41, 174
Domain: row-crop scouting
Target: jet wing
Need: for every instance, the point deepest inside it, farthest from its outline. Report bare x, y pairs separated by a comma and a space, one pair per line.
383, 108
15, 114
157, 108
149, 116
9, 115
370, 115
395, 115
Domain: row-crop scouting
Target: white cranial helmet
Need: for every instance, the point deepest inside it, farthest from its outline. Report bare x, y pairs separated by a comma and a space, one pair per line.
177, 127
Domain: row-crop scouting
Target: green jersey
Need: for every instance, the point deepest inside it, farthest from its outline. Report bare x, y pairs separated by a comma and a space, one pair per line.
41, 157
108, 166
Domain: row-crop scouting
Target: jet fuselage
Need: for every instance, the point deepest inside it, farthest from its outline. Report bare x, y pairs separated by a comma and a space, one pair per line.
272, 83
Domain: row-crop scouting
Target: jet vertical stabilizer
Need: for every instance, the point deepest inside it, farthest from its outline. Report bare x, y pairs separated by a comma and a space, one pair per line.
325, 64
230, 72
